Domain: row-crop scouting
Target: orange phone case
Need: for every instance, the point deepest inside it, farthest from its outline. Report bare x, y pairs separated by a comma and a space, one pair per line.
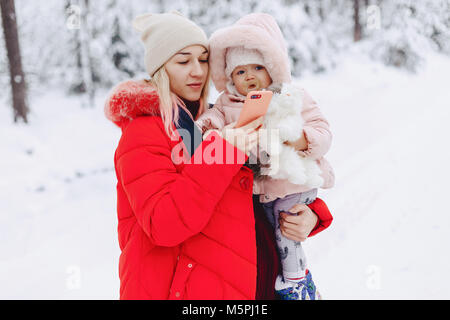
255, 105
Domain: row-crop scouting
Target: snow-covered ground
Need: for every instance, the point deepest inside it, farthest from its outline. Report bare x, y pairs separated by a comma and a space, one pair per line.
389, 238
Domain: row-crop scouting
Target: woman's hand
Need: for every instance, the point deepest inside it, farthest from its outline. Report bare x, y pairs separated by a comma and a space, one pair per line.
244, 138
298, 227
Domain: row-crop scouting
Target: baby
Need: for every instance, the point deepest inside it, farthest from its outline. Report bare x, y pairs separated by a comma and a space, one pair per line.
249, 56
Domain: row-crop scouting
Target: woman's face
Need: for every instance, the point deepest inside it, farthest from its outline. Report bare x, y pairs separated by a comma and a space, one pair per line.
187, 71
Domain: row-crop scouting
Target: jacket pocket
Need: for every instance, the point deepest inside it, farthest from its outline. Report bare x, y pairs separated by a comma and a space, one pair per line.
183, 270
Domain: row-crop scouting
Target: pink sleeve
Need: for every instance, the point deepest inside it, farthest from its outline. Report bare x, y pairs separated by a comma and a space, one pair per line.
316, 129
212, 118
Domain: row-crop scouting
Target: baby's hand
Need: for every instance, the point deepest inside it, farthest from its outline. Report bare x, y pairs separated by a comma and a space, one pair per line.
204, 125
300, 144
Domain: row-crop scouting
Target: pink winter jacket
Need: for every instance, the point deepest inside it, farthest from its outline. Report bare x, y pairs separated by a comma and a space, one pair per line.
316, 130
261, 32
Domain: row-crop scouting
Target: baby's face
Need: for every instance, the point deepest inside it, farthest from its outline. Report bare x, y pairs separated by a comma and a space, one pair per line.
251, 77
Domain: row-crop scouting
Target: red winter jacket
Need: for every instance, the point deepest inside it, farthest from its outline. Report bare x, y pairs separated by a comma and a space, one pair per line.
186, 230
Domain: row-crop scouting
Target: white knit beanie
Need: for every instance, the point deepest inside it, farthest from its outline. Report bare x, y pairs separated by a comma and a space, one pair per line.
165, 34
240, 56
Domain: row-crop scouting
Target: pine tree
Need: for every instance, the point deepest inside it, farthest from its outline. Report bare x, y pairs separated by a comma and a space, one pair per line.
409, 30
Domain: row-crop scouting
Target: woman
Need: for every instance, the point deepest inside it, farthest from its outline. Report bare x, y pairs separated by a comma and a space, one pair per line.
189, 229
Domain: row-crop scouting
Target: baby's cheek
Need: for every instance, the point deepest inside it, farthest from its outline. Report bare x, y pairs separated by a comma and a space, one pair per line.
241, 88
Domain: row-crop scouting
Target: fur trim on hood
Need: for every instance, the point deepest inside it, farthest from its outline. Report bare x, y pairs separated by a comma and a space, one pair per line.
254, 31
129, 100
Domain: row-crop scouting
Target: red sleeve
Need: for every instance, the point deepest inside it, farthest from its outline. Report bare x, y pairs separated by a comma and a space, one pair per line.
170, 205
325, 218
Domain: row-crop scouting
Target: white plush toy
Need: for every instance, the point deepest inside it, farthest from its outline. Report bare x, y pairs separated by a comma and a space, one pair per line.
284, 122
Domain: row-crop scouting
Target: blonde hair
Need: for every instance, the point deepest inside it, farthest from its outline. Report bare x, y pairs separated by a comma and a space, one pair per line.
169, 101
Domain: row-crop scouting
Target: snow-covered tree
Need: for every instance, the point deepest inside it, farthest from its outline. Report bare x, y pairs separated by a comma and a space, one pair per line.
410, 29
399, 33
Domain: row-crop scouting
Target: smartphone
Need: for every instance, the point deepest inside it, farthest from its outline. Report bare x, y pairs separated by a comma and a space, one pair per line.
256, 105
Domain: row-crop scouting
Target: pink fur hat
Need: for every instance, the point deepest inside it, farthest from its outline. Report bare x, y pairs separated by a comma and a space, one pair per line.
239, 56
257, 31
